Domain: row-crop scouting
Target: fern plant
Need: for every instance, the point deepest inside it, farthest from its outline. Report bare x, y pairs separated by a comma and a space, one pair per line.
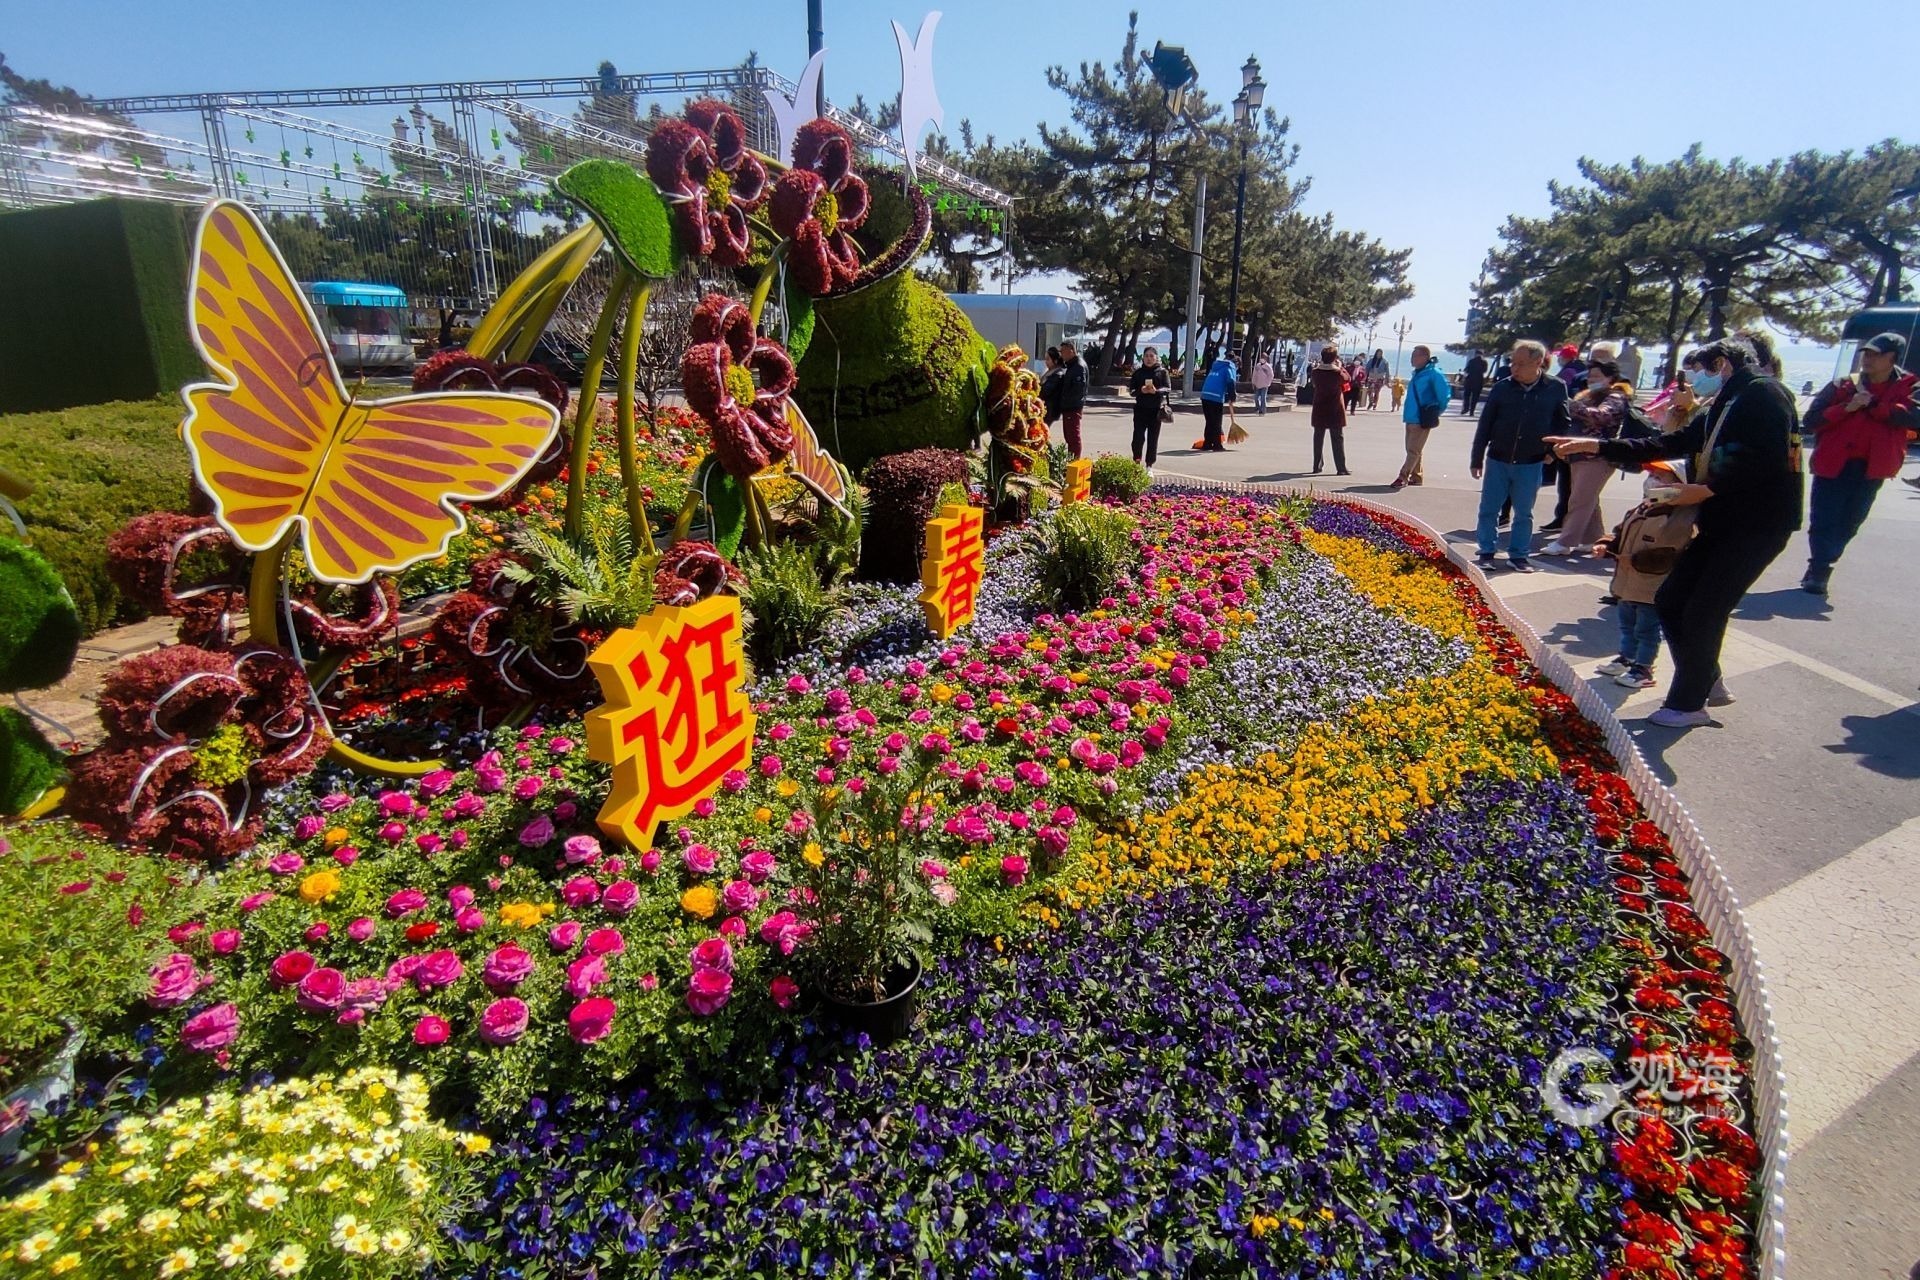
600, 579
788, 600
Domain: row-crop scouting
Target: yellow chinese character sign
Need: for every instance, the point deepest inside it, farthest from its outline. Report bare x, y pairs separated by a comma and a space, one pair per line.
677, 716
1077, 484
950, 572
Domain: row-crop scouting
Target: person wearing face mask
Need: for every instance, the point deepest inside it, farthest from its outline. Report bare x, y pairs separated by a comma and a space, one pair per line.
1861, 430
1597, 413
1749, 494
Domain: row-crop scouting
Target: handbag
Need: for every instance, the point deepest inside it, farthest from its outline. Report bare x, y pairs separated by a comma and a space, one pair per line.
1166, 412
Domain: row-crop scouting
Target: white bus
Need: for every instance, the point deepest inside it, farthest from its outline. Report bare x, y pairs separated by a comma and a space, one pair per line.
1034, 320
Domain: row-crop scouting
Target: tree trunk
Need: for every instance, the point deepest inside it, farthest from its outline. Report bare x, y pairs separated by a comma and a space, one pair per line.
1718, 286
1118, 314
1672, 334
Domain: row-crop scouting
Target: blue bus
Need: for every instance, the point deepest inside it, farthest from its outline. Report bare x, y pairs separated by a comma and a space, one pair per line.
365, 324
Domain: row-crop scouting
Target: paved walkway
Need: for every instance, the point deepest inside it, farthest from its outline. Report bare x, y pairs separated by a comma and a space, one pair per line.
1808, 789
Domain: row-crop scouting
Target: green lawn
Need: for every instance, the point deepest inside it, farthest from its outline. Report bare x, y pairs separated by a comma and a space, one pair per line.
94, 468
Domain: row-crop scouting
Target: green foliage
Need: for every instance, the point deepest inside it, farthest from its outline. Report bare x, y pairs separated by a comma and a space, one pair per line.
837, 537
901, 492
93, 469
29, 764
952, 494
788, 600
1085, 550
800, 321
93, 304
69, 949
1118, 477
726, 504
602, 579
39, 629
629, 210
894, 366
365, 1209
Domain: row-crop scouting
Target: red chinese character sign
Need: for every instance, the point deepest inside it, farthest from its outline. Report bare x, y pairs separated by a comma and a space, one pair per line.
677, 716
950, 572
1077, 484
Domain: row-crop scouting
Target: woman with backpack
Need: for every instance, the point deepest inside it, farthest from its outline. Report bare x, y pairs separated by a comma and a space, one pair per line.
1597, 413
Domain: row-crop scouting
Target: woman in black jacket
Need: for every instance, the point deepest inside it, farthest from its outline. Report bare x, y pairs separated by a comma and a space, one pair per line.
1747, 484
1331, 386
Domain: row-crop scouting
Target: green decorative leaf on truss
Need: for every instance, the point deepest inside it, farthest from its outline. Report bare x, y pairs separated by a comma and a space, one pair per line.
625, 205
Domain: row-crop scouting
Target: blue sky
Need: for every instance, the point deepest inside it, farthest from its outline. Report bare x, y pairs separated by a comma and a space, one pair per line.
1425, 124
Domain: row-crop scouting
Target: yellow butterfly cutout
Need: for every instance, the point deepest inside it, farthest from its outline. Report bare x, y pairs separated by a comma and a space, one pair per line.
281, 443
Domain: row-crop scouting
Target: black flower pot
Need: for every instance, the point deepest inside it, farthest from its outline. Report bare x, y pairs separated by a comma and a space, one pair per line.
884, 1021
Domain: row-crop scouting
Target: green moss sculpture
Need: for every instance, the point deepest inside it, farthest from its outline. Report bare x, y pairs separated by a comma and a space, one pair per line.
39, 627
892, 367
29, 764
626, 207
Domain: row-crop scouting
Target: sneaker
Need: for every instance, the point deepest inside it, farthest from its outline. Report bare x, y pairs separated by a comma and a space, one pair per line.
1556, 548
1814, 582
1615, 667
1397, 485
1636, 677
1668, 718
1609, 598
1551, 526
1719, 696
1485, 560
1416, 482
1519, 564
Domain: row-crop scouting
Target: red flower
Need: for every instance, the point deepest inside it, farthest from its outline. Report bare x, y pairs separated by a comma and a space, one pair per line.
422, 931
1720, 1178
702, 164
689, 572
740, 384
816, 203
1649, 1229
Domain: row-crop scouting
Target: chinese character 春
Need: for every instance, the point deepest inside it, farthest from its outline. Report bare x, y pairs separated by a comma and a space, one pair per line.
1077, 484
950, 573
677, 716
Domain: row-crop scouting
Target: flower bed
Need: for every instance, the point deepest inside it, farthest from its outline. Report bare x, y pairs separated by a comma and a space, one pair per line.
1263, 896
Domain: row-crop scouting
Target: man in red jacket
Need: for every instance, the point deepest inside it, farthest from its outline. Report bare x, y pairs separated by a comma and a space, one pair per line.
1861, 432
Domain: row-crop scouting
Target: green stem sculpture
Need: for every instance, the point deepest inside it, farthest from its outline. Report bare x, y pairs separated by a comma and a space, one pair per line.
629, 453
590, 399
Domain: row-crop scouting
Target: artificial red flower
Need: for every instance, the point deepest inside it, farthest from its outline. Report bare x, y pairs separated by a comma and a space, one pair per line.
689, 572
740, 384
702, 165
816, 203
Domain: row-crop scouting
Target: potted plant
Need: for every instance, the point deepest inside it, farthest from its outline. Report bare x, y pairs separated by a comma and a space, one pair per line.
866, 893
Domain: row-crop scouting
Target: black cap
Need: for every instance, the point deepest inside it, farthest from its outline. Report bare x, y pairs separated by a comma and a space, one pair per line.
1887, 344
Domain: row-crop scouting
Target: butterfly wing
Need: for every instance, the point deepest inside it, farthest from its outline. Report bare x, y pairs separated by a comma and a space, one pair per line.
258, 437
382, 499
813, 463
280, 443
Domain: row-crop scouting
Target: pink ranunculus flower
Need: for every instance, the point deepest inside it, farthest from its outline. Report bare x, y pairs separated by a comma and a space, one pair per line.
698, 859
757, 866
506, 968
712, 953
708, 991
770, 766
211, 1029
323, 989
401, 971
309, 826
346, 855
396, 804
254, 901
704, 807
224, 942
366, 993
504, 1021
469, 920
435, 784
362, 929
605, 942
335, 802
584, 974
620, 897
579, 891
581, 850
650, 862
784, 991
784, 931
740, 897
394, 832
318, 931
285, 864
468, 805
733, 927
944, 893
563, 935
538, 833
430, 843
591, 1019
1013, 868
933, 870
175, 979
438, 969
289, 967
431, 1030
459, 896
405, 903
1053, 841
527, 788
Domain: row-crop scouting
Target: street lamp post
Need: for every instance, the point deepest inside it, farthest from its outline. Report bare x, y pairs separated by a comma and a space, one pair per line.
1174, 72
1401, 328
1246, 109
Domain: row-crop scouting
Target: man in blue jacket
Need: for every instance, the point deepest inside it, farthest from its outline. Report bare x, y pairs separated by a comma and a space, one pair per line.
1427, 394
1216, 393
1510, 445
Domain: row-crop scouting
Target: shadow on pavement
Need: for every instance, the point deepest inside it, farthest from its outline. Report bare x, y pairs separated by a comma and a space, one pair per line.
1653, 742
1593, 637
1787, 602
1887, 744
